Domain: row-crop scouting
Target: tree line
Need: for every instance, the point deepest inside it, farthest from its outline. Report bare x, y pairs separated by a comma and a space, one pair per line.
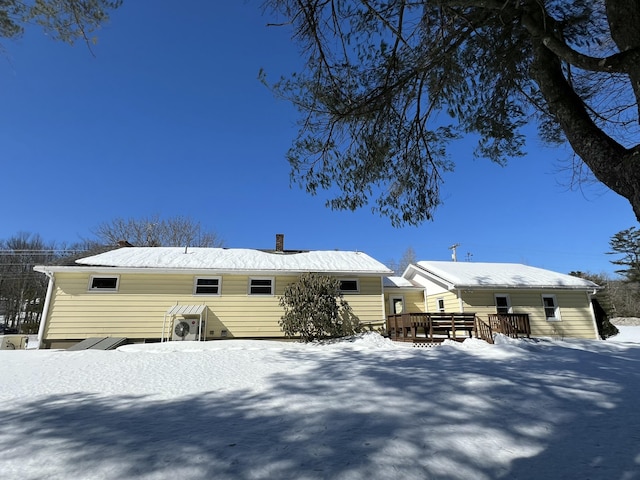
23, 291
624, 293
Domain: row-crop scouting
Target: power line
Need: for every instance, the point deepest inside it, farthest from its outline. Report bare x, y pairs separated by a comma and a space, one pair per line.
41, 251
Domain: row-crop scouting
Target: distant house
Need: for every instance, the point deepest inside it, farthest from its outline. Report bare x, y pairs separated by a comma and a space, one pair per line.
554, 304
154, 293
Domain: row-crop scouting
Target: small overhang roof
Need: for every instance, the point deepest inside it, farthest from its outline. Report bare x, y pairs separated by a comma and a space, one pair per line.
186, 310
400, 282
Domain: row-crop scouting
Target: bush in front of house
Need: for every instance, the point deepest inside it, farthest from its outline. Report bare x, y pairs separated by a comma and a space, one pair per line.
315, 309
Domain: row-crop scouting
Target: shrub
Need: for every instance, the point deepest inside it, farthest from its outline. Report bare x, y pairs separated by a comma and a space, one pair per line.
314, 309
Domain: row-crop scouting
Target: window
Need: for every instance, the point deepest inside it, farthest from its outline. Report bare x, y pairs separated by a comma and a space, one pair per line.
104, 284
397, 305
440, 304
348, 285
503, 304
207, 286
551, 309
261, 286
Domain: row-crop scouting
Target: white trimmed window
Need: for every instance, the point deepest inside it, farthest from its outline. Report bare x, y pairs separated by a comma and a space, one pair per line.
207, 286
349, 285
551, 309
397, 305
503, 304
99, 283
440, 302
260, 286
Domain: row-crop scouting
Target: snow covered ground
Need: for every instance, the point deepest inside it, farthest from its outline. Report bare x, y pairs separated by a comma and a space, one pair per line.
356, 410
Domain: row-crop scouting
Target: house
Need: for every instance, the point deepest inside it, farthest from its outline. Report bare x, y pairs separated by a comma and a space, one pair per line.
550, 304
149, 294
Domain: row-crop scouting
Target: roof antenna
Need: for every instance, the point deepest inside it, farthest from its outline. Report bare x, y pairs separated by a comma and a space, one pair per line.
453, 251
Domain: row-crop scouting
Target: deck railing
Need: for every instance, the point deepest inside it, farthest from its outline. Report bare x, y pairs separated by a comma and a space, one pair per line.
513, 325
431, 327
484, 330
436, 327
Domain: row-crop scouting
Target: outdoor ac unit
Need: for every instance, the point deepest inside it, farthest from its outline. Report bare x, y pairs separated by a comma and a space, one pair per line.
185, 329
13, 342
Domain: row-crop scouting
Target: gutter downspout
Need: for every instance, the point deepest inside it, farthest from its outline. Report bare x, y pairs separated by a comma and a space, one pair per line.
45, 308
593, 313
460, 302
424, 299
384, 309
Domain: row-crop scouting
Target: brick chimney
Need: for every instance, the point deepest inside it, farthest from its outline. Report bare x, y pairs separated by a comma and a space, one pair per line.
279, 242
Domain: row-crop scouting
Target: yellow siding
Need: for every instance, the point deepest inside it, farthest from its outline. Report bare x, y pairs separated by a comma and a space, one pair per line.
367, 304
575, 311
413, 300
451, 303
137, 309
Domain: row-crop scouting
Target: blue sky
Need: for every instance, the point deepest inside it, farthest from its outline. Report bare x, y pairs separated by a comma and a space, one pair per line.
168, 118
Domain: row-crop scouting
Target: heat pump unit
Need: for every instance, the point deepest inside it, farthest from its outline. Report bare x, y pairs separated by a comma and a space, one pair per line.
185, 329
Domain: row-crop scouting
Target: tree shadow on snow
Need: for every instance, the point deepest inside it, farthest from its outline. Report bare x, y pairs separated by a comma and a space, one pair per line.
539, 412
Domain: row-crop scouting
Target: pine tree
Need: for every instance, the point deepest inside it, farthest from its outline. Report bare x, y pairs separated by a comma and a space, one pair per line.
627, 243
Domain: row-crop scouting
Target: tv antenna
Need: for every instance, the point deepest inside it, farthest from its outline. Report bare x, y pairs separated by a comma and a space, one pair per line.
453, 247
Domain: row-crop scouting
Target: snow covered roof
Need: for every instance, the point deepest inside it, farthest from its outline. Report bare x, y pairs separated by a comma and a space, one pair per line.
236, 260
505, 275
398, 282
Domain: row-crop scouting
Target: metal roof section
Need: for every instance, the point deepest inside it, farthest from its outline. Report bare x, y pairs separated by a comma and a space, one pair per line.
186, 310
501, 275
237, 260
399, 282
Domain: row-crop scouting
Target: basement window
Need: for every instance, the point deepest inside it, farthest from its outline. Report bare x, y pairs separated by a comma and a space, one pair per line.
104, 284
207, 286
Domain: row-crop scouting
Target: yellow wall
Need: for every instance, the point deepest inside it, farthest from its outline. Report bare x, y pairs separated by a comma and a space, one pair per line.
451, 303
575, 311
137, 309
413, 300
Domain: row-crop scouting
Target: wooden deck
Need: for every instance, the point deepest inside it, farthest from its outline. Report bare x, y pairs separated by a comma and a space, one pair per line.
433, 328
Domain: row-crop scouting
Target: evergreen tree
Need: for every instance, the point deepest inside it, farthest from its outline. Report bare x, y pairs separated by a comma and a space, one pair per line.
314, 308
627, 243
64, 20
388, 84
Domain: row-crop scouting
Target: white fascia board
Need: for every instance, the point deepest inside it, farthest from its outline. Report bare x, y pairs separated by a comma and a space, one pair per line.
150, 270
417, 270
526, 287
404, 288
